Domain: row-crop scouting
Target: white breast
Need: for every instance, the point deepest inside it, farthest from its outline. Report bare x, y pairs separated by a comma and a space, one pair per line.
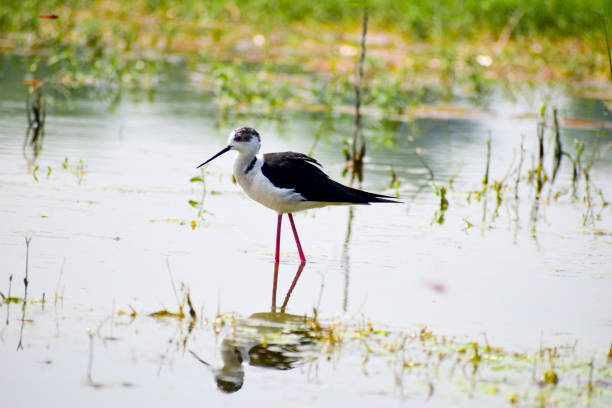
260, 189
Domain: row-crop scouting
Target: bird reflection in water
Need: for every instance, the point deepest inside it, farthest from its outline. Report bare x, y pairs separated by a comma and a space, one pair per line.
274, 339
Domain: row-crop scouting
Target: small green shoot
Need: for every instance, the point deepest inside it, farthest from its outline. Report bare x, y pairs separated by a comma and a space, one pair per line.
199, 205
466, 224
26, 283
439, 214
497, 187
395, 181
80, 171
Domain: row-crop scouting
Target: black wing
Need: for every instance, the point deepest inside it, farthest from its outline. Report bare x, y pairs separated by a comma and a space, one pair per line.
303, 174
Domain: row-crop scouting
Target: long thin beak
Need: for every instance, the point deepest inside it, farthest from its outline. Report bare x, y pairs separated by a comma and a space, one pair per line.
227, 149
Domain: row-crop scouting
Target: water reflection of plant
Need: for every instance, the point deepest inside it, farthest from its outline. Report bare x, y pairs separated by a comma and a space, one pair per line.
355, 148
107, 56
36, 115
114, 45
541, 178
8, 299
420, 362
417, 362
73, 59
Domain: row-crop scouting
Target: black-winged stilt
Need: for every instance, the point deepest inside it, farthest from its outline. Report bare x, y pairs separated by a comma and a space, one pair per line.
287, 182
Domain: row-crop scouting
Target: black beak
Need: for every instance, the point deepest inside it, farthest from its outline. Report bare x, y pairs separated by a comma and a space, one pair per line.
227, 149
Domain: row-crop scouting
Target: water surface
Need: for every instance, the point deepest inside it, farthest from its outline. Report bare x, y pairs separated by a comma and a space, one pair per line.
112, 232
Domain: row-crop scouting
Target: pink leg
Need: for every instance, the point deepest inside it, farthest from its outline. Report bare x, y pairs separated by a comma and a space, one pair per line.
274, 287
278, 233
297, 276
297, 239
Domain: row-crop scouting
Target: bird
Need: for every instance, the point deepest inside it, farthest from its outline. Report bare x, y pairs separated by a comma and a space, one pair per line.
287, 182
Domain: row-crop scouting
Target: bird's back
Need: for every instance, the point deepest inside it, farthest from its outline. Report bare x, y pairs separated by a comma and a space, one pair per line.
303, 174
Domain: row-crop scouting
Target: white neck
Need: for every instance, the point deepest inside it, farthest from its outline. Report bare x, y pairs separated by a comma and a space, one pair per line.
242, 161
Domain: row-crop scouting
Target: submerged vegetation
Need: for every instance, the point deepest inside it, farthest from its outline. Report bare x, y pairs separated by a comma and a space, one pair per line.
419, 363
411, 363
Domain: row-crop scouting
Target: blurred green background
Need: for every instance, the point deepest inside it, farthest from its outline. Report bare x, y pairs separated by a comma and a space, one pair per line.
423, 20
303, 54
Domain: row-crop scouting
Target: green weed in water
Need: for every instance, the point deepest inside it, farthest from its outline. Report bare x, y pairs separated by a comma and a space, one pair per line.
80, 171
439, 214
199, 205
36, 116
550, 377
605, 30
463, 370
537, 178
395, 182
466, 224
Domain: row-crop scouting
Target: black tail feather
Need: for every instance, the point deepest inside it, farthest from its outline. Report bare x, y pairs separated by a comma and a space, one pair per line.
365, 197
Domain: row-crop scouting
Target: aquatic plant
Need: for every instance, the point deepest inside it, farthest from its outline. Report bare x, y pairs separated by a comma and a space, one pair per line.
395, 182
358, 145
36, 115
199, 205
604, 20
543, 184
80, 171
439, 214
474, 369
24, 301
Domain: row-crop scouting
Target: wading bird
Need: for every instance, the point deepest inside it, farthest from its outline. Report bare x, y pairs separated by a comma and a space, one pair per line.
287, 182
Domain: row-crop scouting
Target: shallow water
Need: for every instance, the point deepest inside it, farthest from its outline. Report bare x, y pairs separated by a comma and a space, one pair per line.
114, 234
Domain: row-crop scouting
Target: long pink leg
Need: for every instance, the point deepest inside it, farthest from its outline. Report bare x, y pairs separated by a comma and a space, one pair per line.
278, 234
288, 295
274, 284
297, 239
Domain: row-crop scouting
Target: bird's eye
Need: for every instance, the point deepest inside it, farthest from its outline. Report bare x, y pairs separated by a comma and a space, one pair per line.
238, 138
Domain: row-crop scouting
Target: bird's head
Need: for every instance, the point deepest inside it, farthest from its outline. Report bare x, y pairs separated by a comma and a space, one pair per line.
245, 140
